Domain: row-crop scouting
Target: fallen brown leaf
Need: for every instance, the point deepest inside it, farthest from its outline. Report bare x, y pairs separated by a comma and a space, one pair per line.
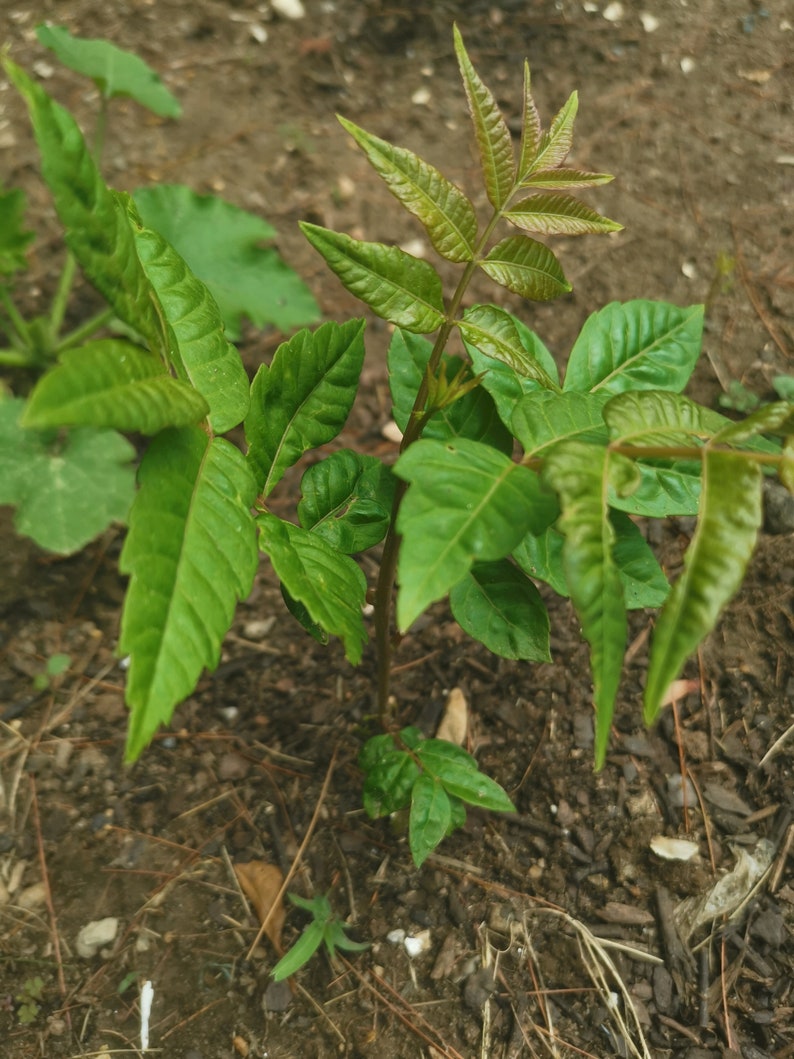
261, 883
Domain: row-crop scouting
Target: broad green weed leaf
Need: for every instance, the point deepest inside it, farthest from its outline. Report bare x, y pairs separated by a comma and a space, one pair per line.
327, 583
347, 499
494, 333
211, 362
301, 952
714, 564
335, 938
490, 128
555, 144
527, 268
303, 398
112, 383
65, 492
14, 238
98, 230
644, 584
443, 209
429, 818
387, 788
400, 288
542, 419
466, 503
473, 416
671, 488
460, 776
579, 473
191, 555
637, 345
558, 215
115, 72
656, 417
498, 605
541, 558
223, 245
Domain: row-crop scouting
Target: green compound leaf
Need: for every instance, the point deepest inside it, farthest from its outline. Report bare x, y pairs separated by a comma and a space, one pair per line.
211, 362
490, 128
191, 553
112, 383
303, 399
665, 488
652, 417
400, 288
98, 230
714, 564
65, 492
473, 416
14, 238
429, 818
443, 209
347, 499
460, 776
223, 245
466, 503
542, 419
526, 267
579, 473
558, 215
115, 72
497, 604
637, 345
387, 788
495, 333
553, 147
329, 585
301, 952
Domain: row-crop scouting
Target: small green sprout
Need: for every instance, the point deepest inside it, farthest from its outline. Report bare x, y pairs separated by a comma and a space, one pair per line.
325, 927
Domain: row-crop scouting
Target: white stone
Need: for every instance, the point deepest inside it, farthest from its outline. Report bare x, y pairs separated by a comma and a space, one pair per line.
293, 9
96, 935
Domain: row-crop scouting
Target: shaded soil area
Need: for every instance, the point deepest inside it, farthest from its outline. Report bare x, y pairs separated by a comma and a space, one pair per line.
560, 931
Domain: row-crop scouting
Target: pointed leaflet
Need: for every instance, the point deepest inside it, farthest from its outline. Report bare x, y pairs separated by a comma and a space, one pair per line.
114, 71
329, 585
565, 180
442, 208
531, 129
14, 238
497, 604
112, 383
429, 818
638, 345
98, 231
494, 332
542, 419
303, 399
714, 564
554, 145
527, 268
387, 788
473, 416
541, 558
347, 499
650, 417
579, 473
493, 136
558, 215
400, 288
66, 492
458, 771
466, 502
191, 553
211, 362
223, 245
777, 418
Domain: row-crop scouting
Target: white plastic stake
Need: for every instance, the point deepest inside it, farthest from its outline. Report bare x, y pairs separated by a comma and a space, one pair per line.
147, 996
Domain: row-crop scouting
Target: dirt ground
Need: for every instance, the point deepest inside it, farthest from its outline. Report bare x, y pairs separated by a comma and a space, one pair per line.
524, 923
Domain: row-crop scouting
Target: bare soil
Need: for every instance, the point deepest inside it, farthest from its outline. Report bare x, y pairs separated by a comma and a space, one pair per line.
517, 914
